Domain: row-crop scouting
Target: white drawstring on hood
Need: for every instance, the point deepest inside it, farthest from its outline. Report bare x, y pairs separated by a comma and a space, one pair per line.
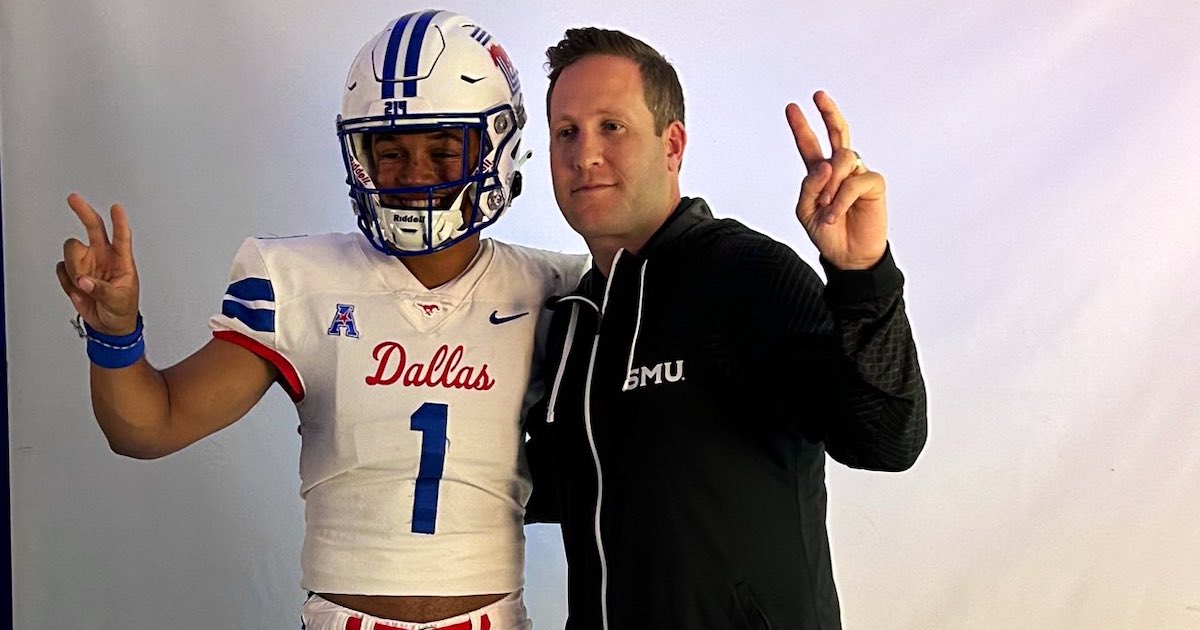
637, 327
573, 324
562, 363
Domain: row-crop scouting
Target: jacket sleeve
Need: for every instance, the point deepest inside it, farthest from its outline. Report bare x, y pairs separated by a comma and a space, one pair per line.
841, 357
543, 506
880, 422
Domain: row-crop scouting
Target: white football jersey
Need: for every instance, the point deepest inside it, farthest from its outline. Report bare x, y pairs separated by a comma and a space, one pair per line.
410, 401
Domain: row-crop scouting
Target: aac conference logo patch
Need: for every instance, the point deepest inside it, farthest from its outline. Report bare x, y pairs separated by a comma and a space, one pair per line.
343, 322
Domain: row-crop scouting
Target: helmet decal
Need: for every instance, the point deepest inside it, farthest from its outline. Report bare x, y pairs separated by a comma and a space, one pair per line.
506, 66
412, 54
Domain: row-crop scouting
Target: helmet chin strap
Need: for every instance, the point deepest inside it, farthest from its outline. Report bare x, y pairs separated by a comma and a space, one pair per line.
454, 224
436, 226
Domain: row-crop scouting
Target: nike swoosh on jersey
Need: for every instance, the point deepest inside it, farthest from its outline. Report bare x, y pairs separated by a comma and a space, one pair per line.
496, 319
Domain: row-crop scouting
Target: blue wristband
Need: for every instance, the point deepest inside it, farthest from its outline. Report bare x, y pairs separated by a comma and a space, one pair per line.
109, 351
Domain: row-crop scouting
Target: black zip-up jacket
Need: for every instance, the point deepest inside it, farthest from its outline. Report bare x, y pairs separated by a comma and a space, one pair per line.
703, 383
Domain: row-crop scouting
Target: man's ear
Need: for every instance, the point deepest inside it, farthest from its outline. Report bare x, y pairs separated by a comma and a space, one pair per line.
674, 141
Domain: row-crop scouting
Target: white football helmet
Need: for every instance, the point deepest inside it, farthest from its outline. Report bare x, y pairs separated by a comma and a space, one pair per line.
428, 71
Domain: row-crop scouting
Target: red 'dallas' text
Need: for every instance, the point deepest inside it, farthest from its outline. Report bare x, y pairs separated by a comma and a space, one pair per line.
445, 369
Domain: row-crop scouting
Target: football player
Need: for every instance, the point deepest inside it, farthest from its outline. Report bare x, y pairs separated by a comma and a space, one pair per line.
408, 349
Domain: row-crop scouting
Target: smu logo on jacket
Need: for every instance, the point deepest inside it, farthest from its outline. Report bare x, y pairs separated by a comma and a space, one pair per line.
668, 371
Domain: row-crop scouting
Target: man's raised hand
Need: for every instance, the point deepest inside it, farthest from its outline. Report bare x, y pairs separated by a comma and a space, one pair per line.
842, 204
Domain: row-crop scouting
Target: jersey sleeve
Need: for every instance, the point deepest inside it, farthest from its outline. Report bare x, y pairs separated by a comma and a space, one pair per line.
570, 268
248, 315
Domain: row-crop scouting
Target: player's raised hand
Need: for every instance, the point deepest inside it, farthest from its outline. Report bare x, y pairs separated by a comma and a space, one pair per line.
100, 277
842, 204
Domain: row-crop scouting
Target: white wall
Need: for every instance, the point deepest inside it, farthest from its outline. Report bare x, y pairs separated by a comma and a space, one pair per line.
1041, 166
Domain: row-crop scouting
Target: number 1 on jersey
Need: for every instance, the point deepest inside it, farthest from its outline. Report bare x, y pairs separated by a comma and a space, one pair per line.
430, 420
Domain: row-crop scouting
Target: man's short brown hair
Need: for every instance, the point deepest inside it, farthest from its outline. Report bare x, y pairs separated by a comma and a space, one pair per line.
660, 84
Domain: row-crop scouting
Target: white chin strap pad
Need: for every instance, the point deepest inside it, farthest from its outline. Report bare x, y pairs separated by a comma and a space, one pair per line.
409, 230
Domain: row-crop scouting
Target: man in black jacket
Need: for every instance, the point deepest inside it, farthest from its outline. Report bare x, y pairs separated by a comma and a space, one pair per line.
701, 370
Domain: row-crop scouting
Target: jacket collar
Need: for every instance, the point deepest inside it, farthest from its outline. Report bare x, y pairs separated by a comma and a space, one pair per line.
688, 214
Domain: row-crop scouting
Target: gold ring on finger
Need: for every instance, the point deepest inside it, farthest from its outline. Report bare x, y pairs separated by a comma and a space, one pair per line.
860, 167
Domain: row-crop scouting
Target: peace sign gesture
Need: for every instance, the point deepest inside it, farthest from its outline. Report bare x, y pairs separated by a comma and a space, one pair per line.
100, 277
842, 204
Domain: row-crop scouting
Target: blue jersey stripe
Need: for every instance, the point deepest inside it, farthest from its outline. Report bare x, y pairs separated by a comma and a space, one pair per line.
389, 61
260, 319
252, 290
412, 60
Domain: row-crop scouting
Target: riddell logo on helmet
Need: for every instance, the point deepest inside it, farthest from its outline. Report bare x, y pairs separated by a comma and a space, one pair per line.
400, 218
360, 173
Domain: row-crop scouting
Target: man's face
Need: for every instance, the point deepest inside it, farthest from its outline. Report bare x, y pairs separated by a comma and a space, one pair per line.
403, 160
614, 179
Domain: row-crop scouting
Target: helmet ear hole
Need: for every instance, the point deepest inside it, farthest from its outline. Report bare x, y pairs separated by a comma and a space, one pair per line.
516, 186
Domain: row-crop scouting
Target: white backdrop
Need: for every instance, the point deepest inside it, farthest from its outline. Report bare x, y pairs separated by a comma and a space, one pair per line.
1041, 166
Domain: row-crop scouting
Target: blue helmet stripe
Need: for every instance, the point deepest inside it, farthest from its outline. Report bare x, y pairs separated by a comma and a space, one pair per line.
389, 61
413, 58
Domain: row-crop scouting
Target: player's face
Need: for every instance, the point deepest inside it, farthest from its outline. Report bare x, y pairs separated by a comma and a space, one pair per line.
612, 174
402, 160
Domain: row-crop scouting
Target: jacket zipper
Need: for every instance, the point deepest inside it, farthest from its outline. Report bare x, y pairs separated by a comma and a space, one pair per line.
587, 422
